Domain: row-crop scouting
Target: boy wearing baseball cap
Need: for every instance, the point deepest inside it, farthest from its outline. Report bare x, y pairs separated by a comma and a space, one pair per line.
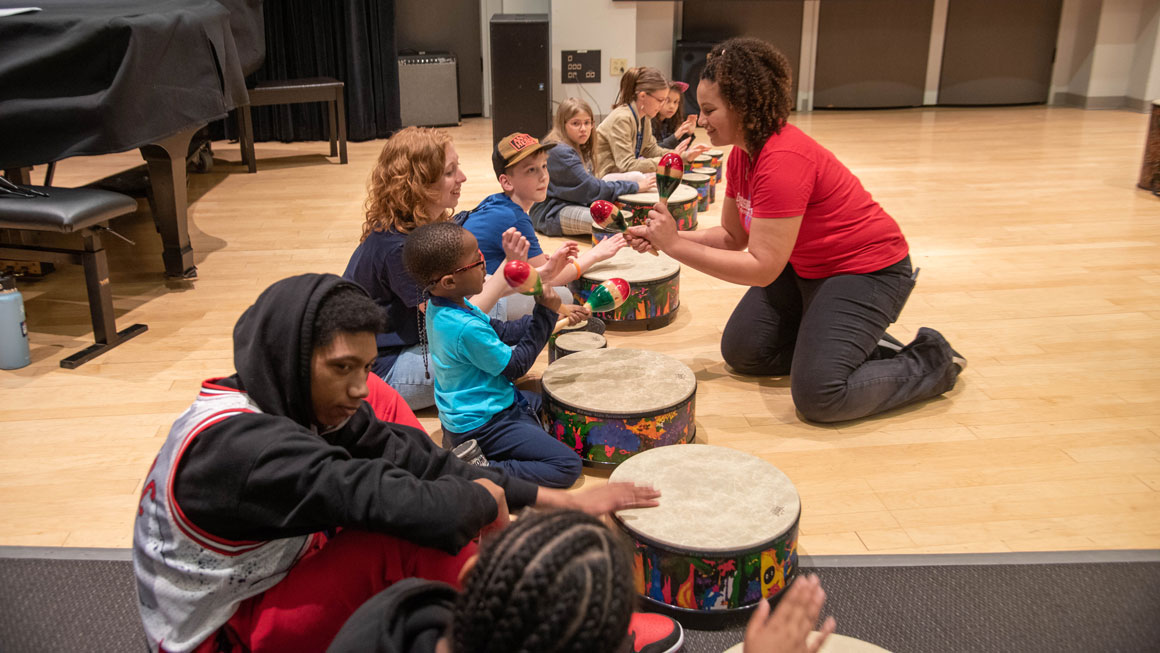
520, 162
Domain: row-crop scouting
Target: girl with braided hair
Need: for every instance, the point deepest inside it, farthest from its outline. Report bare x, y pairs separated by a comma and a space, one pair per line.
557, 581
828, 268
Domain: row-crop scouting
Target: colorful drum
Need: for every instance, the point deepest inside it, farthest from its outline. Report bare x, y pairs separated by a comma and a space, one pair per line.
610, 404
712, 174
656, 289
563, 344
682, 204
716, 161
700, 161
700, 183
599, 234
724, 536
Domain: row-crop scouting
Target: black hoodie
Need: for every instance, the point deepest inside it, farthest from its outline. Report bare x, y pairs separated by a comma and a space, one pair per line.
407, 617
269, 475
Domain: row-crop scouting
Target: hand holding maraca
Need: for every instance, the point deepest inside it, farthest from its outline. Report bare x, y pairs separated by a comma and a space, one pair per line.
607, 216
659, 229
670, 171
608, 296
523, 278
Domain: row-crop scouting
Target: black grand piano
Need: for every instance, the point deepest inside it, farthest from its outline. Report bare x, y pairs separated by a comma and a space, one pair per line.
85, 77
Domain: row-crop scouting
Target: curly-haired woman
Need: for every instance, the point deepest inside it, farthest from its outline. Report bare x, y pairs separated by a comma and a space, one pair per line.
417, 181
829, 269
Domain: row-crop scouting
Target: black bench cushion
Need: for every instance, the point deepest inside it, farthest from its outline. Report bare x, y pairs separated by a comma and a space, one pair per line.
65, 209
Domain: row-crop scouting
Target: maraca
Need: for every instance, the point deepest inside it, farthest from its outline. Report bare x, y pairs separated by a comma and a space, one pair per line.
669, 174
608, 296
607, 216
523, 277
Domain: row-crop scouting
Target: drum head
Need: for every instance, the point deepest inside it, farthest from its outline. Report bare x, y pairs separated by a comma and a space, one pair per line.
717, 153
694, 177
835, 643
713, 499
619, 381
577, 341
634, 267
682, 193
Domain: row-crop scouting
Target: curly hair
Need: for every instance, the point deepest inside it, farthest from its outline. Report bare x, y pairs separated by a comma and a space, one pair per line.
432, 251
756, 80
400, 187
567, 110
345, 309
552, 581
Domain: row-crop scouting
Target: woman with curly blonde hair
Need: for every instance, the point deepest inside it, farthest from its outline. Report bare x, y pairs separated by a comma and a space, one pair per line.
416, 181
828, 268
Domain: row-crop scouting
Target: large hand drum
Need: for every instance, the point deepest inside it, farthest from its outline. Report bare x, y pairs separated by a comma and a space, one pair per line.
724, 536
610, 404
682, 204
654, 289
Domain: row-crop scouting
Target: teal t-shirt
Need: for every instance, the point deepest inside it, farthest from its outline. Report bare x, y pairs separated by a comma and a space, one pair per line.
468, 359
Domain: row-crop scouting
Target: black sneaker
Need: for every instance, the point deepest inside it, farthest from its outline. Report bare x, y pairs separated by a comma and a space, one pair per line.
655, 633
470, 453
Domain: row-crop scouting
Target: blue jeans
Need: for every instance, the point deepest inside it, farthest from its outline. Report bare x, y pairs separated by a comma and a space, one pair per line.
411, 380
826, 332
516, 442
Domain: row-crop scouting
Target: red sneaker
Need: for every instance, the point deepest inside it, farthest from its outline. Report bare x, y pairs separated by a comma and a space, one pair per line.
655, 633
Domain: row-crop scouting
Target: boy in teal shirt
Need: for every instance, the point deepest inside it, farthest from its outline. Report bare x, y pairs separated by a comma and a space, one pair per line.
476, 359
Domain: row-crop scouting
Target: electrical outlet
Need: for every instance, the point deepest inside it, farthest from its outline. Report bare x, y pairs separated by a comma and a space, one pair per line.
616, 67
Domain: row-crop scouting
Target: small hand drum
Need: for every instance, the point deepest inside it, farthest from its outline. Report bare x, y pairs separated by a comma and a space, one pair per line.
724, 536
654, 283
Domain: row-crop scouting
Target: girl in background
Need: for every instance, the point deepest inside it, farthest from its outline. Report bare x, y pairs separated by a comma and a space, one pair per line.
671, 125
572, 184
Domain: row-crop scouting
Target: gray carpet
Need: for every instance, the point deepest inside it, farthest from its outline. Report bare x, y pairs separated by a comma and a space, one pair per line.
83, 599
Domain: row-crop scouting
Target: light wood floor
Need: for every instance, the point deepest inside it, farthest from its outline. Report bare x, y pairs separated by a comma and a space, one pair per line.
1040, 262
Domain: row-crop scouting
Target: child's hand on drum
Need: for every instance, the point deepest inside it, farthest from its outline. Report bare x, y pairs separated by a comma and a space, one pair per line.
616, 496
515, 245
788, 629
605, 249
646, 182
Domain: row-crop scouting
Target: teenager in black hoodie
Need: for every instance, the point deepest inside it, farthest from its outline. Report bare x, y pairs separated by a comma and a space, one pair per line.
279, 503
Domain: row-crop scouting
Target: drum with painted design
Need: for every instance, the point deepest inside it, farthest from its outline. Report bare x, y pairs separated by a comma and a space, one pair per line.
682, 204
716, 161
700, 183
563, 344
724, 536
611, 404
713, 177
699, 161
655, 283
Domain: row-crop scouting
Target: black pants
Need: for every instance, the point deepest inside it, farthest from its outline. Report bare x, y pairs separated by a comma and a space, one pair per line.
824, 332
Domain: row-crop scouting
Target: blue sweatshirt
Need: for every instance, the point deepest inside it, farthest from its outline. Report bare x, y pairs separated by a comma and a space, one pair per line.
569, 182
487, 222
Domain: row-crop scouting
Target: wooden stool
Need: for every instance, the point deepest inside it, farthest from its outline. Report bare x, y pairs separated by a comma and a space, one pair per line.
294, 91
73, 210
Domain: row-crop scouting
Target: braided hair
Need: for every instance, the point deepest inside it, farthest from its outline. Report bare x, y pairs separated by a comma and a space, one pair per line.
756, 80
430, 252
552, 581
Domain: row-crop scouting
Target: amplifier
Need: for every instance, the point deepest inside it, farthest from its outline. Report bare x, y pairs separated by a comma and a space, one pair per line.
428, 89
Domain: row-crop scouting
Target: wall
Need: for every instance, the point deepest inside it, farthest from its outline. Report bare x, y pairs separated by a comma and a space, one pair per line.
604, 25
1108, 54
655, 22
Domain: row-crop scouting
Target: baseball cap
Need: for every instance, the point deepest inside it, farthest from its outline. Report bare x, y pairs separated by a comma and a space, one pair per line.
513, 148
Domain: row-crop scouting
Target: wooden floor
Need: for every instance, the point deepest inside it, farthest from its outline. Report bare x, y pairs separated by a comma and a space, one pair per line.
1040, 262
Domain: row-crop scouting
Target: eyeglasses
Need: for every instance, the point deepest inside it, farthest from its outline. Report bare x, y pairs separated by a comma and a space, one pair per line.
660, 100
469, 267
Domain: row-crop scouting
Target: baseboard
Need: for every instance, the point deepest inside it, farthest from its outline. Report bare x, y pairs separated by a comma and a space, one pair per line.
1102, 102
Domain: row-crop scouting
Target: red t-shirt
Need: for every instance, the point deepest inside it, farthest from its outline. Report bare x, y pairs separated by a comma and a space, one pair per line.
843, 231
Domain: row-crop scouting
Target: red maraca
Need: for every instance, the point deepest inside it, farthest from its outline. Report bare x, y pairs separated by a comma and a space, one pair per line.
523, 277
607, 216
669, 174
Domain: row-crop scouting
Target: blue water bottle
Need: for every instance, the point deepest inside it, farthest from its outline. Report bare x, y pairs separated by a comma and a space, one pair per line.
13, 329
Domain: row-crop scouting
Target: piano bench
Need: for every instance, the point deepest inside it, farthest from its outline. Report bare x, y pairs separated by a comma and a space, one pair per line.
294, 91
73, 211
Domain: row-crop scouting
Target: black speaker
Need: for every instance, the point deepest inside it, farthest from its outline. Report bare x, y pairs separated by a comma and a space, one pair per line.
688, 61
520, 75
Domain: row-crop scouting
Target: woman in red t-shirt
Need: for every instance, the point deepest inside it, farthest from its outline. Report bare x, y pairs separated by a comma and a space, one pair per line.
829, 269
